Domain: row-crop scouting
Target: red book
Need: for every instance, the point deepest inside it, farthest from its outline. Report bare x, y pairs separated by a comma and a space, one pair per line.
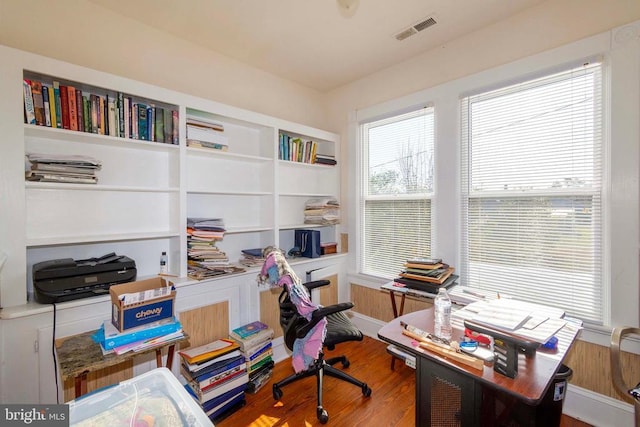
64, 104
73, 108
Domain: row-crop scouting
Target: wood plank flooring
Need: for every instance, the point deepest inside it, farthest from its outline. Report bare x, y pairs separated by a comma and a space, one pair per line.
391, 403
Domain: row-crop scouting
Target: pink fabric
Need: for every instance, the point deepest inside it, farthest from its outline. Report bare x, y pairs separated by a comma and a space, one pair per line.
277, 271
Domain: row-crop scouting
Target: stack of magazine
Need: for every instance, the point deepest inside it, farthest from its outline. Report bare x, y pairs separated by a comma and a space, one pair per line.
67, 168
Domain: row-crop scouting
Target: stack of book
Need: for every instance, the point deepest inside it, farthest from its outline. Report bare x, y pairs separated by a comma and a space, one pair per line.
216, 377
252, 257
74, 169
426, 274
203, 134
323, 211
137, 339
326, 159
255, 344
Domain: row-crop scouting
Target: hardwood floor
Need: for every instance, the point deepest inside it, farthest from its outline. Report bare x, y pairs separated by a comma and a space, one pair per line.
391, 402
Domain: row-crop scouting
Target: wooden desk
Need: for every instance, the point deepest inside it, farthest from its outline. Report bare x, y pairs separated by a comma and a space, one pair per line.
454, 391
79, 355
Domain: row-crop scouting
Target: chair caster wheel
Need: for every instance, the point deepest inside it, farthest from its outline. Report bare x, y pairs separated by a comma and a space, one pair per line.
322, 414
366, 390
277, 393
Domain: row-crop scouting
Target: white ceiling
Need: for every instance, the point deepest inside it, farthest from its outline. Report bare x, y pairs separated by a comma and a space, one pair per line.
310, 41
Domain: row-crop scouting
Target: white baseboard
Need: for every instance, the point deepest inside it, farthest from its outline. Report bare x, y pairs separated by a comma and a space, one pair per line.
597, 409
582, 404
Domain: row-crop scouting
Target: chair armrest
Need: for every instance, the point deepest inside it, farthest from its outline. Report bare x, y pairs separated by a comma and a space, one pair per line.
320, 314
316, 284
617, 337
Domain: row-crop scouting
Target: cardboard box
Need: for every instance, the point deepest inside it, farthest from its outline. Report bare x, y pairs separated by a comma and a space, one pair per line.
149, 308
329, 248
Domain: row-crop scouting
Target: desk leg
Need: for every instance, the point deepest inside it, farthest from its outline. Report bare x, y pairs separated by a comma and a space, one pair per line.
159, 358
170, 352
395, 315
81, 384
392, 295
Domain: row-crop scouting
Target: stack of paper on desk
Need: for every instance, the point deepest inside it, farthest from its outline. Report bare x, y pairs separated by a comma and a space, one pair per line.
526, 320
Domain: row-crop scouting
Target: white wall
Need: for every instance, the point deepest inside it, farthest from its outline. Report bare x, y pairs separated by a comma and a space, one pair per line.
80, 32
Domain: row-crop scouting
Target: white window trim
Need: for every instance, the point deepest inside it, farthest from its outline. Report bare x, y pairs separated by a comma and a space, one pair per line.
620, 50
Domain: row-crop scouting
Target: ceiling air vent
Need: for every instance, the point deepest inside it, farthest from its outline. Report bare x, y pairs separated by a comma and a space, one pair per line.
414, 29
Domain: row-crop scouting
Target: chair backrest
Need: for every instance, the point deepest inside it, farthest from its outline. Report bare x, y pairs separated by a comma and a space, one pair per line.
290, 319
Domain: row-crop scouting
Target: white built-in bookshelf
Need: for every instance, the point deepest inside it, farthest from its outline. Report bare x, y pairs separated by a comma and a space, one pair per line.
147, 189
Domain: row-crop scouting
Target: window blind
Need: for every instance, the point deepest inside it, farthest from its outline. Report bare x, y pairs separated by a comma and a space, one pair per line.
397, 185
532, 191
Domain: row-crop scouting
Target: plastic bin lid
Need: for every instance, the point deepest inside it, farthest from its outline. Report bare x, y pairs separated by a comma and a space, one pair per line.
155, 398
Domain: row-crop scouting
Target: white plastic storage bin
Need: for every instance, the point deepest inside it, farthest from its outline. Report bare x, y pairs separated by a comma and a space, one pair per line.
154, 398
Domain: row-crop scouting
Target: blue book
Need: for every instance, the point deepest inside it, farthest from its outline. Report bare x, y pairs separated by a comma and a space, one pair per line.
217, 368
216, 401
221, 412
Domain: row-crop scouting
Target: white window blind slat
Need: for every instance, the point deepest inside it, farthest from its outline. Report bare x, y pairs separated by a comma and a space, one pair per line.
531, 191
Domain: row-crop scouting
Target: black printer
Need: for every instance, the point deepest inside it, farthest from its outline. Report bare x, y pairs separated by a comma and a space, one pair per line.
65, 279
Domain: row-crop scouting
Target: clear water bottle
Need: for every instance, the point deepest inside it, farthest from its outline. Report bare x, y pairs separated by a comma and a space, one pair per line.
164, 267
442, 323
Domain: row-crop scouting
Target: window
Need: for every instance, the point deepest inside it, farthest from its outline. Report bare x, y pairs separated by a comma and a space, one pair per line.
397, 185
531, 191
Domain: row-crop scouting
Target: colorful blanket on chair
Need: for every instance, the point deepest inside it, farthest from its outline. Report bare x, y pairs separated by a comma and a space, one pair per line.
277, 271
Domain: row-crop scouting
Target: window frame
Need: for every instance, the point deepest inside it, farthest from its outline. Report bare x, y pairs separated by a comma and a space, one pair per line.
364, 169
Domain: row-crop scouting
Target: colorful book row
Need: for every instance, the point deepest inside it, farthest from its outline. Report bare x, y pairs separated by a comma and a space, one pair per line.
296, 150
67, 107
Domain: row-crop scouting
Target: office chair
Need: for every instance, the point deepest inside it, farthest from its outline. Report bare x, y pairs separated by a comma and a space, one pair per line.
308, 329
617, 335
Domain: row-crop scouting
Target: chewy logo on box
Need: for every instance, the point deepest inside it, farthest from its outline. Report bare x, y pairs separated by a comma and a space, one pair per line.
138, 303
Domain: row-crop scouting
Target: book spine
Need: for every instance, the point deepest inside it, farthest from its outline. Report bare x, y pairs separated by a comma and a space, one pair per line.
168, 126
105, 114
80, 110
95, 123
38, 102
151, 123
175, 139
112, 118
134, 120
30, 116
64, 103
121, 122
101, 115
47, 107
127, 117
86, 114
73, 108
142, 122
56, 94
159, 125
52, 107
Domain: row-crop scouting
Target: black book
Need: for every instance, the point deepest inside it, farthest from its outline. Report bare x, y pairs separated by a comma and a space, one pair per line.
429, 287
